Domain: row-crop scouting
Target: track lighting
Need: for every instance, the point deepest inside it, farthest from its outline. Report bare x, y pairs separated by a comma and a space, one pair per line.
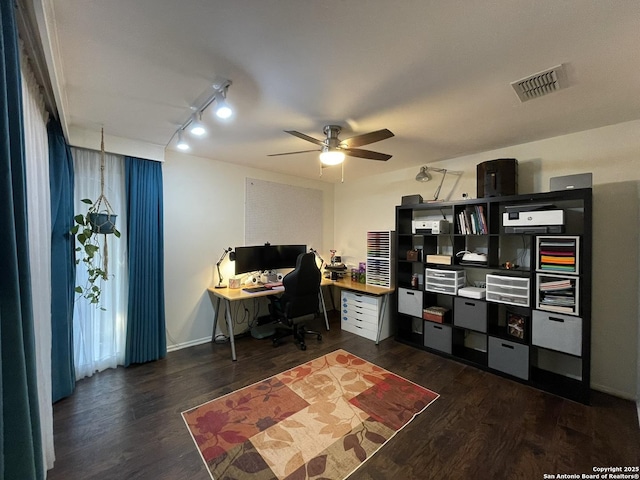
331, 156
193, 125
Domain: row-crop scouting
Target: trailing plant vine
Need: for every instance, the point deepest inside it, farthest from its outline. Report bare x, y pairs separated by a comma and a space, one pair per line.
92, 253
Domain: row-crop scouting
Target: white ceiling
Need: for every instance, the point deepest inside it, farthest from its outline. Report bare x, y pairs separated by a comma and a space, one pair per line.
437, 73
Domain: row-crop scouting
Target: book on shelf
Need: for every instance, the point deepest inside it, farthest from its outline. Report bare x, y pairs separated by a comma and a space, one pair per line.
556, 285
472, 221
556, 308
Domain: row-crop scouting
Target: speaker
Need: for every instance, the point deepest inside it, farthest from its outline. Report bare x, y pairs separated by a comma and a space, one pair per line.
498, 177
569, 182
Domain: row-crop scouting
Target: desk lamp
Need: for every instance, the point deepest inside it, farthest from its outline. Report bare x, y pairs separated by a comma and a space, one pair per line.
315, 252
232, 257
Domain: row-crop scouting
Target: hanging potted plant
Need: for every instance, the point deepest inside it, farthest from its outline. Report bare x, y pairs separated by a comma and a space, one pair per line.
91, 230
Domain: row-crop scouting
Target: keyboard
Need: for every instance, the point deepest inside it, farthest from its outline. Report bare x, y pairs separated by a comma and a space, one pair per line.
256, 289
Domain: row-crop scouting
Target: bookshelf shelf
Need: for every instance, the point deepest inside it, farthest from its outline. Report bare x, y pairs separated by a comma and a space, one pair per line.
538, 288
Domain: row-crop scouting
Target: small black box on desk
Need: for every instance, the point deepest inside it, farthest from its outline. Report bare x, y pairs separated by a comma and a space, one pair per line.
411, 199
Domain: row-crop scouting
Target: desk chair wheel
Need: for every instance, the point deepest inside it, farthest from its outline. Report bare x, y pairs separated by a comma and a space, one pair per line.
303, 347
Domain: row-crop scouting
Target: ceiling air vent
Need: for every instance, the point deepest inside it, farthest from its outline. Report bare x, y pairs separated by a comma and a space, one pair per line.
540, 84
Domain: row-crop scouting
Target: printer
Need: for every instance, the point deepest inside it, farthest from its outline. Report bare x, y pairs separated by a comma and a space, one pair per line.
533, 218
430, 227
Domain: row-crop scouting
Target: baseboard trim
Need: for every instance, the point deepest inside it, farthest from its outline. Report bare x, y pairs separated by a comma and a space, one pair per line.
614, 392
191, 343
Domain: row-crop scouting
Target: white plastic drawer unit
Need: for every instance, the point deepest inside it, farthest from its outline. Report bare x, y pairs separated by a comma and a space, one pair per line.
508, 289
443, 281
410, 302
359, 314
562, 333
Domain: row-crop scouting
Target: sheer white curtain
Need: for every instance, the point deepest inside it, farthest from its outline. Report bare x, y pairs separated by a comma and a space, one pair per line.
99, 336
39, 214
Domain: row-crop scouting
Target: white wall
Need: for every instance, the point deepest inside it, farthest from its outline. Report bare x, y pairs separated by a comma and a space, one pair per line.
613, 155
203, 215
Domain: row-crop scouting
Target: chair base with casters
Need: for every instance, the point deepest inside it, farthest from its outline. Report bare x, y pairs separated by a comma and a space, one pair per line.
298, 331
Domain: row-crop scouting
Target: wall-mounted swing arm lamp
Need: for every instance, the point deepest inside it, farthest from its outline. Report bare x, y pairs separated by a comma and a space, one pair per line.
424, 176
216, 93
232, 257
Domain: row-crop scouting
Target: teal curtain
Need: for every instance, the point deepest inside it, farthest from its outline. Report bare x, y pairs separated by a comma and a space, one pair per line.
146, 337
20, 439
63, 267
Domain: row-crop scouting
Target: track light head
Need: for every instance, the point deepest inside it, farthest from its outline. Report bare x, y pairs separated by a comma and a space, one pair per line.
196, 127
223, 110
182, 144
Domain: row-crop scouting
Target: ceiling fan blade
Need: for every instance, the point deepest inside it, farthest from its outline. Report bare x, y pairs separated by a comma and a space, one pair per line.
358, 152
292, 153
367, 138
305, 137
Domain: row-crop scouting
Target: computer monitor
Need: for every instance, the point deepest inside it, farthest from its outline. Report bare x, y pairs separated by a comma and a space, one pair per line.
267, 257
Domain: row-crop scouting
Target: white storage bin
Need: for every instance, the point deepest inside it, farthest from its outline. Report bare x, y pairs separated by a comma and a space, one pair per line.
509, 357
557, 332
410, 302
444, 281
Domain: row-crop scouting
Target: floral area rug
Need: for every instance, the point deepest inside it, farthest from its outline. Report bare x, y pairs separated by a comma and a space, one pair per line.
319, 420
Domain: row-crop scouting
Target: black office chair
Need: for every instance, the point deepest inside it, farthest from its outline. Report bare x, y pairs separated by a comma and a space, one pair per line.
300, 299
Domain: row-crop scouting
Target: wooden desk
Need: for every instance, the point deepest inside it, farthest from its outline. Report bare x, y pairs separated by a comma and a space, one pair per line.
229, 295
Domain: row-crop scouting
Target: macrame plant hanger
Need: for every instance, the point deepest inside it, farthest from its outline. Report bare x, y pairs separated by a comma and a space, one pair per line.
101, 211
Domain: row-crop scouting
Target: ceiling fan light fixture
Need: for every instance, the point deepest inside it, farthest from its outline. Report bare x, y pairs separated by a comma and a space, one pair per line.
331, 156
423, 175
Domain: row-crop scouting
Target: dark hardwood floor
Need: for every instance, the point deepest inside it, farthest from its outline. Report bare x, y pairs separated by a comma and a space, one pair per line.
126, 423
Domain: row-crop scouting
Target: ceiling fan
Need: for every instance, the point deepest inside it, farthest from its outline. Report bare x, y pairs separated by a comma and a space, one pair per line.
333, 149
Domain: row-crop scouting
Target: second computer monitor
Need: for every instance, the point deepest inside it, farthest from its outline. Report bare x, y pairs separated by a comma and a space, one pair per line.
267, 257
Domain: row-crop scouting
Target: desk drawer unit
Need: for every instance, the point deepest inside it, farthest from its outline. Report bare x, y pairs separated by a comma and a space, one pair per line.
557, 332
443, 281
509, 357
471, 314
359, 314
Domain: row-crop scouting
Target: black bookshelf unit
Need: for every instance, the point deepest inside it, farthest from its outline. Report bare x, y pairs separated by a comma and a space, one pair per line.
534, 324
